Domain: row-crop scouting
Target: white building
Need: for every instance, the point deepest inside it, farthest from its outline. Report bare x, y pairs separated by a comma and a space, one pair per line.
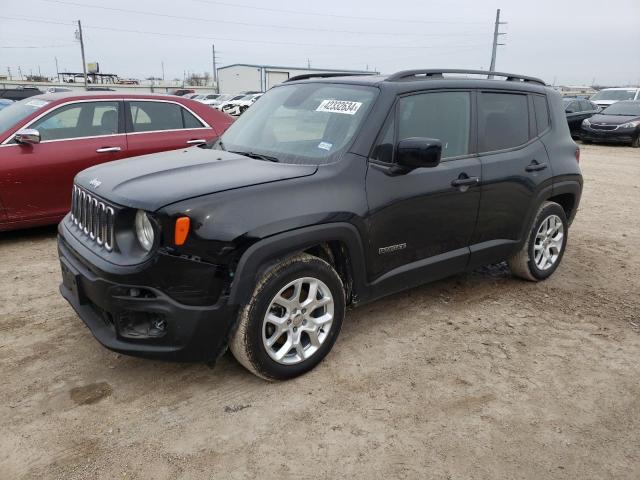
241, 77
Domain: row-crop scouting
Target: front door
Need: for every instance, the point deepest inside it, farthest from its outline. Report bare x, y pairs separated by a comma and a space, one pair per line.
37, 178
423, 221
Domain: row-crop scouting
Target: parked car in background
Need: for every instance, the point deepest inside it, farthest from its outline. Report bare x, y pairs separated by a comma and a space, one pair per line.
180, 92
5, 103
232, 98
19, 93
58, 89
619, 123
577, 110
209, 96
238, 107
47, 139
609, 96
222, 98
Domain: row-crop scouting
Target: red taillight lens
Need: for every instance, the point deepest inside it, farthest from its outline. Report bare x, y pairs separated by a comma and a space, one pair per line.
578, 154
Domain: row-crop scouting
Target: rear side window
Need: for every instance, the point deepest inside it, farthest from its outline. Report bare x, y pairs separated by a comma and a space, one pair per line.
154, 116
542, 112
189, 120
585, 105
445, 116
503, 121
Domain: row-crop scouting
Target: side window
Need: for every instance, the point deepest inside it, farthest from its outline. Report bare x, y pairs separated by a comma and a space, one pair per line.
86, 119
542, 112
152, 116
445, 116
503, 121
585, 105
383, 151
573, 107
189, 120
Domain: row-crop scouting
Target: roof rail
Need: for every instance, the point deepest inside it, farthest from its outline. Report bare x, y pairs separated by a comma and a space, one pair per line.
325, 75
438, 73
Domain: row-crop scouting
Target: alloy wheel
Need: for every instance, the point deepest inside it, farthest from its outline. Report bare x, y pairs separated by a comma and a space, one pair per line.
548, 242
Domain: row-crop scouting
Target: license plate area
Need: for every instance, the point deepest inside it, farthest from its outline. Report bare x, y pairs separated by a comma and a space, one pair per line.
71, 280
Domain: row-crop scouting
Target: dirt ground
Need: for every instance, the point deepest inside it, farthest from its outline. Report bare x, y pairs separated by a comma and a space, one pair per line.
478, 376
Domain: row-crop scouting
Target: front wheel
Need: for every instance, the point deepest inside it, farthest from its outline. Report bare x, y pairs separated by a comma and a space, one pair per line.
636, 141
292, 320
541, 254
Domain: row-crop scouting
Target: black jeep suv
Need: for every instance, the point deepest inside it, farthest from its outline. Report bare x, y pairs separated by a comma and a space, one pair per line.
328, 192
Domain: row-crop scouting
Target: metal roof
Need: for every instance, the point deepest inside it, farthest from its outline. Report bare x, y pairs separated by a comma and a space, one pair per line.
280, 67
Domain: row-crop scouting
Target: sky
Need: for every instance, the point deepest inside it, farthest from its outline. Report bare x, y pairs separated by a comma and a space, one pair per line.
564, 42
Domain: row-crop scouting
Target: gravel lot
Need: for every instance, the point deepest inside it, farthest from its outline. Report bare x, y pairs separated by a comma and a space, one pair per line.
477, 376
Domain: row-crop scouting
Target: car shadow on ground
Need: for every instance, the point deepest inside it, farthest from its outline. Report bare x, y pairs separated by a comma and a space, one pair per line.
29, 234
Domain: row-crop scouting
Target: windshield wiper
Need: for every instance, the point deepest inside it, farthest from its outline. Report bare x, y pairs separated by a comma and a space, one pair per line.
258, 156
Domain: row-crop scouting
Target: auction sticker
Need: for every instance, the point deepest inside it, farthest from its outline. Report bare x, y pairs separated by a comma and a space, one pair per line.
339, 106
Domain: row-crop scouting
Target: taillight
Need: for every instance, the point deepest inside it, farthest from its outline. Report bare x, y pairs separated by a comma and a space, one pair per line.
578, 154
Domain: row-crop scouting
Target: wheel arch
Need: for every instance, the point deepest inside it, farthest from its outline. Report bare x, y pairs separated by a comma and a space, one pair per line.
338, 243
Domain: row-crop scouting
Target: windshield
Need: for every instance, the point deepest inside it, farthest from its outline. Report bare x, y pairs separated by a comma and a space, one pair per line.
309, 123
18, 111
614, 95
623, 108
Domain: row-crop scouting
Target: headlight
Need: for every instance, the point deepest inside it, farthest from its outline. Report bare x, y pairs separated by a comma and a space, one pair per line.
144, 230
633, 124
586, 122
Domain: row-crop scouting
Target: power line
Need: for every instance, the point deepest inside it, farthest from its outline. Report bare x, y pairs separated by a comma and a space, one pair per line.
259, 25
239, 40
331, 15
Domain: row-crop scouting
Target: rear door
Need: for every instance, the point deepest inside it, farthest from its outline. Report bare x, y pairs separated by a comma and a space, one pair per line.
515, 167
37, 178
160, 125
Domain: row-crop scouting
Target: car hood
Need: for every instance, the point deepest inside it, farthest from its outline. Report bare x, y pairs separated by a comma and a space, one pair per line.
152, 181
605, 119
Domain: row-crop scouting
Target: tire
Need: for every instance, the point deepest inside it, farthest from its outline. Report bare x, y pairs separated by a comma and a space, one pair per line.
636, 142
585, 141
274, 314
537, 260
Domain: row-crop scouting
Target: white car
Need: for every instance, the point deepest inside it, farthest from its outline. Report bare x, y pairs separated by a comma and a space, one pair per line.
608, 96
237, 107
208, 98
224, 103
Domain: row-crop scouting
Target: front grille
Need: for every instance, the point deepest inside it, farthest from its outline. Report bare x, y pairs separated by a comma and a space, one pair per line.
595, 126
93, 217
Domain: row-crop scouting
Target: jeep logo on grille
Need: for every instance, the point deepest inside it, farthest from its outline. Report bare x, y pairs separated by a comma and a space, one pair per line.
95, 183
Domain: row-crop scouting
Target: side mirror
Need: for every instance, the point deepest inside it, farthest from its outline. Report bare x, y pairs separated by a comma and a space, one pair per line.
418, 152
28, 136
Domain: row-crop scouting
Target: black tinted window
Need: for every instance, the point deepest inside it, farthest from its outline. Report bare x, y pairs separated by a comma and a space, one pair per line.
150, 116
541, 111
189, 120
445, 116
504, 121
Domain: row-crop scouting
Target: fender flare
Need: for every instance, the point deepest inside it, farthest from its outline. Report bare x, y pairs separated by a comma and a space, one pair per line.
266, 250
549, 191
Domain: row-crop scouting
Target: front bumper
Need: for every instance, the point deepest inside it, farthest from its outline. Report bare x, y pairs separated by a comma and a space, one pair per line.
128, 314
626, 135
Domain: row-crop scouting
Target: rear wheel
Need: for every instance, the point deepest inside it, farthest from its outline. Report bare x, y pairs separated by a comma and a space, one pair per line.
292, 320
542, 252
636, 141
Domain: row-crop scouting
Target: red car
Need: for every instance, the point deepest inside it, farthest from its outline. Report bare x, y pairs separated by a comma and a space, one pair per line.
46, 139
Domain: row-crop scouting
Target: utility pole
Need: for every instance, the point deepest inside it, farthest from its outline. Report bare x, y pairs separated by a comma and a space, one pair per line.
57, 71
84, 63
20, 72
496, 34
309, 64
9, 72
215, 71
162, 63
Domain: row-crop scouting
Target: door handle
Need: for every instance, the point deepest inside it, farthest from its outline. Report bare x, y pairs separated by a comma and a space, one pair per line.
464, 181
534, 166
108, 149
198, 141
